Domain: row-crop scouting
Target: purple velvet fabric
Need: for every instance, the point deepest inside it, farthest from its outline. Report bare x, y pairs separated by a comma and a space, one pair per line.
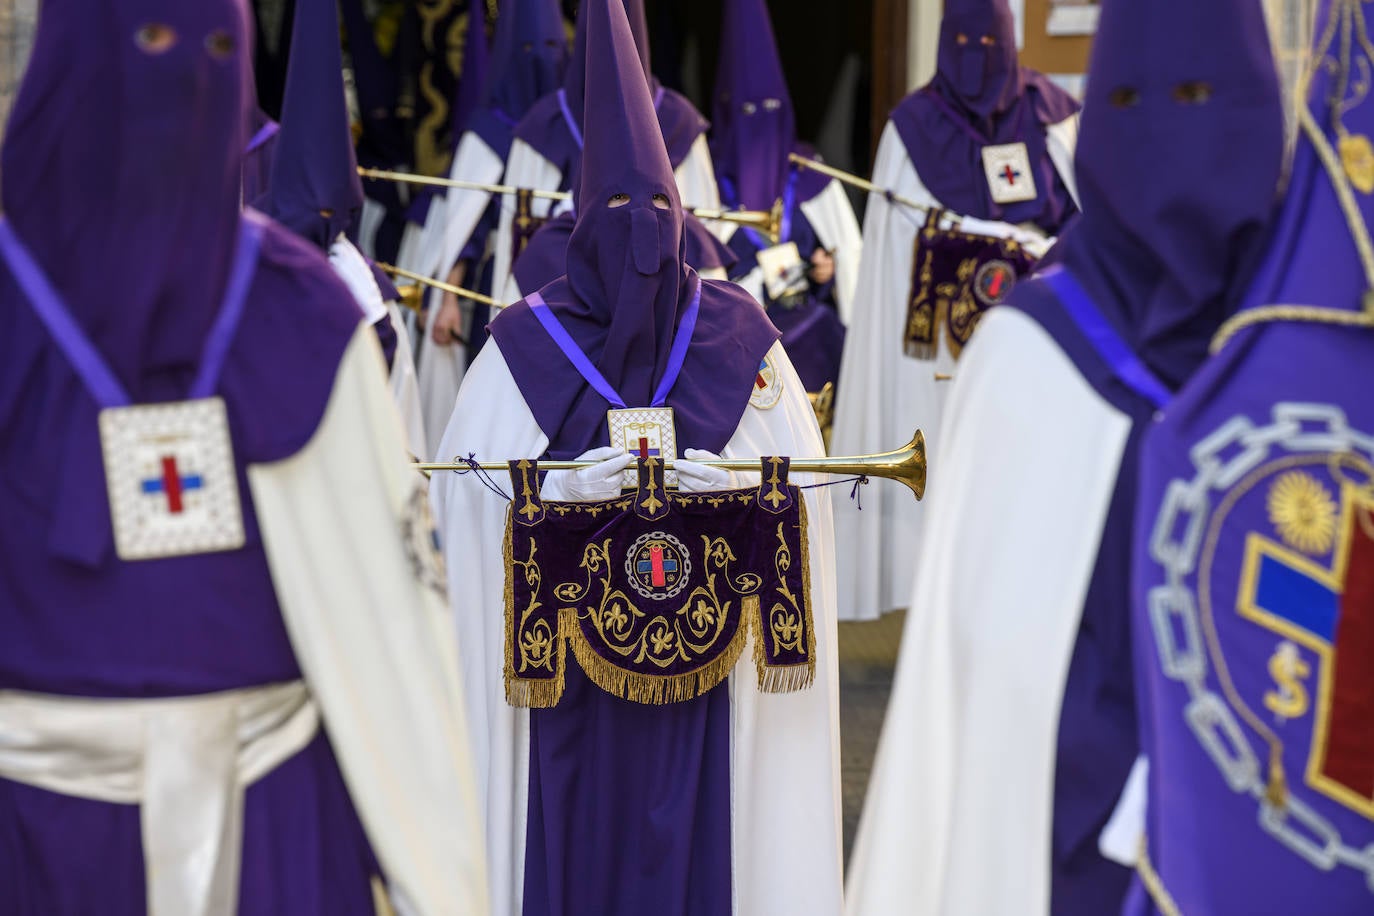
545, 127
755, 553
981, 97
545, 258
1206, 841
754, 126
1160, 247
1172, 217
528, 62
75, 620
605, 839
314, 188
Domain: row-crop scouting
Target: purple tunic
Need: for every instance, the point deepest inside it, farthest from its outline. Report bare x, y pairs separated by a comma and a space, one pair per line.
629, 805
75, 620
1132, 307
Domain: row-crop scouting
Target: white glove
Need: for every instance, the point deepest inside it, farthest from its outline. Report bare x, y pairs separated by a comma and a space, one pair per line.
700, 478
351, 267
585, 485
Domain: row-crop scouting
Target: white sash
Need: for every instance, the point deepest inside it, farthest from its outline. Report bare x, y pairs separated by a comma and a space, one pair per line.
185, 760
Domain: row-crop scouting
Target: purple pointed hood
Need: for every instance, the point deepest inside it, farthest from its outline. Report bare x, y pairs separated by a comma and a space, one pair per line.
160, 89
1173, 211
472, 82
980, 97
314, 188
575, 78
754, 126
529, 57
976, 67
627, 285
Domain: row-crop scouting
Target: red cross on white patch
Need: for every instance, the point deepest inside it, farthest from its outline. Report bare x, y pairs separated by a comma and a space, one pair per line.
171, 478
1009, 173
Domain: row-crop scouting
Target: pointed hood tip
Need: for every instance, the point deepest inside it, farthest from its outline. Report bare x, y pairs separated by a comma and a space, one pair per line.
314, 187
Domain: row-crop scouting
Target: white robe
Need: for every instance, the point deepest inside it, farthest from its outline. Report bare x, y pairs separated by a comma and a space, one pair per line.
527, 168
351, 267
344, 526
958, 817
837, 229
785, 799
885, 395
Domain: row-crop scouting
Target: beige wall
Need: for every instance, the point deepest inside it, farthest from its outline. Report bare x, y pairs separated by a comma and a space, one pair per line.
17, 19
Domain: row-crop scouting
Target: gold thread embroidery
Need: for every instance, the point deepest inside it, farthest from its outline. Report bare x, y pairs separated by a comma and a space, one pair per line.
1154, 885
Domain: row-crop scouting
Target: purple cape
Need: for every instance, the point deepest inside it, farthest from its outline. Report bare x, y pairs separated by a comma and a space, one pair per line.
652, 835
314, 188
76, 620
980, 97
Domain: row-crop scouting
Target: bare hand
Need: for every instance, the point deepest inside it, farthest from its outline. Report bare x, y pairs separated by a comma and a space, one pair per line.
822, 267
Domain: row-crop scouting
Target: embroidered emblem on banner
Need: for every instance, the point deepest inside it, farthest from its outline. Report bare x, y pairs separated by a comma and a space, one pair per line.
1267, 617
169, 471
656, 594
956, 277
767, 385
1009, 173
646, 432
993, 281
658, 566
420, 539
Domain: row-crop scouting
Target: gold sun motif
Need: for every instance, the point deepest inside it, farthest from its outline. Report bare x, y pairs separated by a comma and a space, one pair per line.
1304, 513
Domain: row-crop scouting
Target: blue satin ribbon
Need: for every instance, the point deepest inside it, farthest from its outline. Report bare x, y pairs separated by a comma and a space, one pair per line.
86, 361
1104, 338
676, 356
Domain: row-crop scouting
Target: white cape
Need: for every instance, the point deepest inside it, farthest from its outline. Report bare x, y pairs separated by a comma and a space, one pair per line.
959, 811
347, 536
884, 395
784, 752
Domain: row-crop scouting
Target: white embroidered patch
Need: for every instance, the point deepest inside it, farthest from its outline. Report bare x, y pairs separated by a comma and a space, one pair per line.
647, 432
169, 471
1009, 173
767, 385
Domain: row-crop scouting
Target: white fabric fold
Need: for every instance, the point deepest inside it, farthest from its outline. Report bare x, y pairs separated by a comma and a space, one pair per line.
185, 761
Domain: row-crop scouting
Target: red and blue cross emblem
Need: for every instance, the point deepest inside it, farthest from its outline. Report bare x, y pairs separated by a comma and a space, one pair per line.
1329, 611
657, 566
172, 484
1009, 174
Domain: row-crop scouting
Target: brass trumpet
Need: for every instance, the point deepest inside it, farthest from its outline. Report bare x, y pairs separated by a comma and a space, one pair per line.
906, 465
768, 222
412, 294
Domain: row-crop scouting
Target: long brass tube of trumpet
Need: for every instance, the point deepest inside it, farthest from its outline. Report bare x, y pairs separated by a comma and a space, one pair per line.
458, 291
765, 221
412, 178
852, 179
906, 465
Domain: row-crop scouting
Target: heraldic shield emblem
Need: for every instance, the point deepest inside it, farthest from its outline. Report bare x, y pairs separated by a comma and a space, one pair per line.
1261, 609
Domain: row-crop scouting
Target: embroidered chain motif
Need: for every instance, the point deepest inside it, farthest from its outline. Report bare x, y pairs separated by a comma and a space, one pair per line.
1178, 630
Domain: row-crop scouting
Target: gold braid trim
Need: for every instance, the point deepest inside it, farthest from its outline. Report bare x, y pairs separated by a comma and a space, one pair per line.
653, 689
1307, 313
1163, 901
